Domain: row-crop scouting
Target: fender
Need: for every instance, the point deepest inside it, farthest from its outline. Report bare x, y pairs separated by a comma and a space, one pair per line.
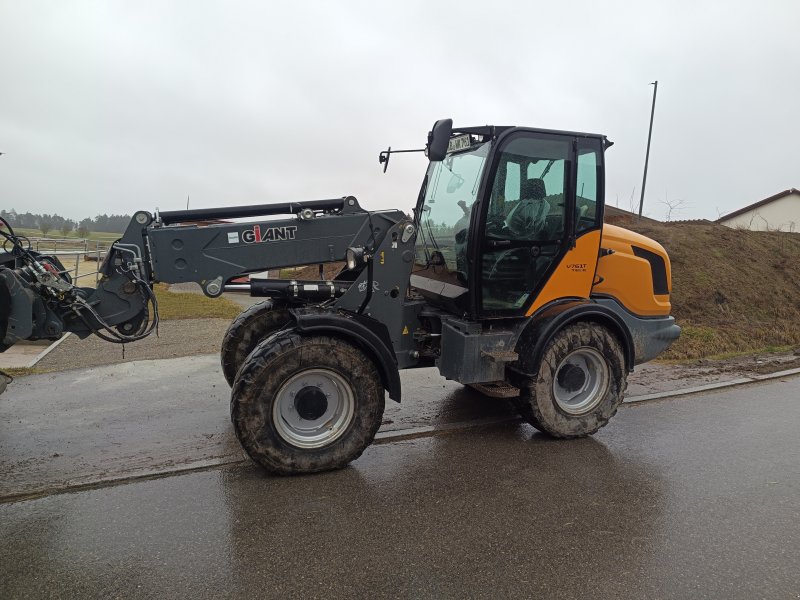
365, 332
550, 319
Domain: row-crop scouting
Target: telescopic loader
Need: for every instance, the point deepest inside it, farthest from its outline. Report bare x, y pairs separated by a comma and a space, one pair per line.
505, 278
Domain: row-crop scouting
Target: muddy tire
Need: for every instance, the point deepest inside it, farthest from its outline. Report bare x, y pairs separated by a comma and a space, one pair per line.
521, 403
306, 404
580, 383
245, 333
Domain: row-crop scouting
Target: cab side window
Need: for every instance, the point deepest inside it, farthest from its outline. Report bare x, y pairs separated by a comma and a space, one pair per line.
589, 173
527, 201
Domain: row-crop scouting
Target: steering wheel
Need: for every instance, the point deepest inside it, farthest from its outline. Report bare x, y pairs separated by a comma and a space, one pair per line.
524, 225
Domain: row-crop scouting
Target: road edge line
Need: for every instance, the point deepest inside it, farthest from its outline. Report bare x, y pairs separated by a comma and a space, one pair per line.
712, 386
144, 475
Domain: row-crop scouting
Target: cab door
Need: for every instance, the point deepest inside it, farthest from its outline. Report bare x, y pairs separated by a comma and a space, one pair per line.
540, 239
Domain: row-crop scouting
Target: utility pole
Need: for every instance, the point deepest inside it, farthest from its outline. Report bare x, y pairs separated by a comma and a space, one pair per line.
649, 136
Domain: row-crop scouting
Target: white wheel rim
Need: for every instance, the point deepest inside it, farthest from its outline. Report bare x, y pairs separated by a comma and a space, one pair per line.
313, 408
581, 381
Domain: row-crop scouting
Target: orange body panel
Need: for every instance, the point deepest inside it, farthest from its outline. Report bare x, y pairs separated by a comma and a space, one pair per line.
627, 277
573, 275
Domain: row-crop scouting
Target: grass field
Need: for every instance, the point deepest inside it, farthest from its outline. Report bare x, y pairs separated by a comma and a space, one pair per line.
182, 305
98, 236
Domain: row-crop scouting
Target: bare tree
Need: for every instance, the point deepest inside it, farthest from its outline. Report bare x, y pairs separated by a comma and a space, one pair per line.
674, 207
44, 226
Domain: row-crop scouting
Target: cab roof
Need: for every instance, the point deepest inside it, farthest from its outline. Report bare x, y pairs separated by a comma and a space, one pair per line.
494, 131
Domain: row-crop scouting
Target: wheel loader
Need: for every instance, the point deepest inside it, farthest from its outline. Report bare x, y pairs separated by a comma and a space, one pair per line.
505, 278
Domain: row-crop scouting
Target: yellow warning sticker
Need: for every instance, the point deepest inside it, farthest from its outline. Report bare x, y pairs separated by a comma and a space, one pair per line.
405, 330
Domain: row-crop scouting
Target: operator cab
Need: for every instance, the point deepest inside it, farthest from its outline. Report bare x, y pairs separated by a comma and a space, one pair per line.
499, 211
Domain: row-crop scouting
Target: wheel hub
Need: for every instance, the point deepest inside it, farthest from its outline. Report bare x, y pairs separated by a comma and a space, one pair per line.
581, 381
313, 408
571, 377
310, 403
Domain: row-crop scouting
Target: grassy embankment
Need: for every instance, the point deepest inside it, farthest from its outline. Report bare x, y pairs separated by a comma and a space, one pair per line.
733, 292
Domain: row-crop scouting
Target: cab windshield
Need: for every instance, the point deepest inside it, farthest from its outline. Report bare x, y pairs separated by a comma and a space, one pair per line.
450, 192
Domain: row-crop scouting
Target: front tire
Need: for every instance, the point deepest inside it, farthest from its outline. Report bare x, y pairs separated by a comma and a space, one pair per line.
306, 404
580, 383
245, 333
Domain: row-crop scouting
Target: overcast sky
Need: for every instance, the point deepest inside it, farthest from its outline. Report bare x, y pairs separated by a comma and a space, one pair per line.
111, 107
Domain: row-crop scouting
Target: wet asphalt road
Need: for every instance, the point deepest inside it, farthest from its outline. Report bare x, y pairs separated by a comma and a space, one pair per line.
119, 421
696, 497
61, 430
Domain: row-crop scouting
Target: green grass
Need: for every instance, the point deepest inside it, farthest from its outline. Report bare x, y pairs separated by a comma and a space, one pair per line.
22, 372
177, 305
764, 350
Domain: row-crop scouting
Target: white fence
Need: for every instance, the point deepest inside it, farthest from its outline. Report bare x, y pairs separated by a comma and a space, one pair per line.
71, 251
47, 245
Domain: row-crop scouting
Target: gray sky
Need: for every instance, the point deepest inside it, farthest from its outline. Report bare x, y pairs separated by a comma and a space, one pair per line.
118, 106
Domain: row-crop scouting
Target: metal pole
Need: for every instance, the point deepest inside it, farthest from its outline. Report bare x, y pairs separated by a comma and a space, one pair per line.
649, 136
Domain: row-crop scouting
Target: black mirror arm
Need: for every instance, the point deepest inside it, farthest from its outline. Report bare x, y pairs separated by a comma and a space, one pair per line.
383, 157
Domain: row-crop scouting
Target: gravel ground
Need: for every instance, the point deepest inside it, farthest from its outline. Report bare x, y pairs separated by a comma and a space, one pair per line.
175, 338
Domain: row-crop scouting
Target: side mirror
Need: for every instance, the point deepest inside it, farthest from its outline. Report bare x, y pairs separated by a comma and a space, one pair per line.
438, 139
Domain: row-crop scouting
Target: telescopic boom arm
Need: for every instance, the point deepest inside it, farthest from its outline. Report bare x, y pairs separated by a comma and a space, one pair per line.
38, 299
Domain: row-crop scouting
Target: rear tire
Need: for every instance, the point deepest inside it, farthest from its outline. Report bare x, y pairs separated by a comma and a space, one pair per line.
245, 333
306, 404
580, 384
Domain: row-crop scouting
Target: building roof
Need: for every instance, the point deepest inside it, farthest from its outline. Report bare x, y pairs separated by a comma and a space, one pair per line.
759, 204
